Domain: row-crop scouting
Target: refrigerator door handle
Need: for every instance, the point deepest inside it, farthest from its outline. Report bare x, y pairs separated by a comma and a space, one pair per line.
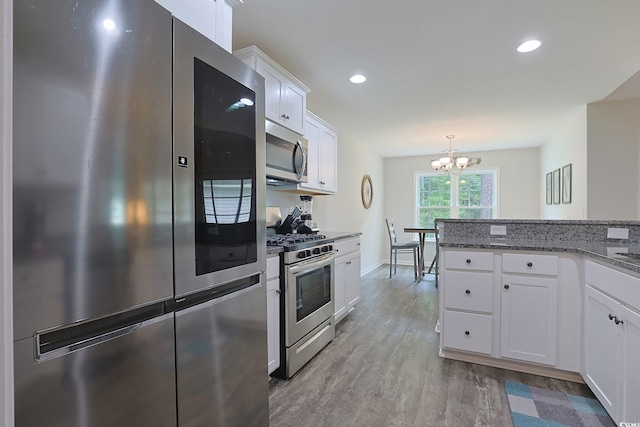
57, 342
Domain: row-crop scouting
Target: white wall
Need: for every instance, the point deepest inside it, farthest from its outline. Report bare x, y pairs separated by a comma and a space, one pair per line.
613, 139
518, 181
6, 264
344, 211
567, 145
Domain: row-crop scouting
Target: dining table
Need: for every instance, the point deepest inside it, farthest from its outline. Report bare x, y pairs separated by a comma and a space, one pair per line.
422, 233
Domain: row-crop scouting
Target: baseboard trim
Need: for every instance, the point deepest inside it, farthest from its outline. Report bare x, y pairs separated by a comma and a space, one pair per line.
370, 269
512, 365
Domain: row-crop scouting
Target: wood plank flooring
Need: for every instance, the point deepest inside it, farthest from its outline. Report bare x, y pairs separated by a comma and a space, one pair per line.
383, 369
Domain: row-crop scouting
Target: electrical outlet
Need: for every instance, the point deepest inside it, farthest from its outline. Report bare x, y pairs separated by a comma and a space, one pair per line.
617, 233
498, 230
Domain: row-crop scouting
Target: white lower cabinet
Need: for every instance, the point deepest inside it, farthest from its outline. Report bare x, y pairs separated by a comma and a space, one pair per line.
631, 370
273, 313
347, 289
612, 341
528, 318
467, 301
602, 348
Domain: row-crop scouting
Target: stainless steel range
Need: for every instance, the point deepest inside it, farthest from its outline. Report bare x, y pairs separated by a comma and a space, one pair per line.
307, 288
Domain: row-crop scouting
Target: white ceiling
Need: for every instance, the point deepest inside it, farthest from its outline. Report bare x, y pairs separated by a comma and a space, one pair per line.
439, 67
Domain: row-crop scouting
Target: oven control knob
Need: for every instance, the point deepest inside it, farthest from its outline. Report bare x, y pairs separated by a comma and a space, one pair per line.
325, 249
302, 254
316, 251
330, 247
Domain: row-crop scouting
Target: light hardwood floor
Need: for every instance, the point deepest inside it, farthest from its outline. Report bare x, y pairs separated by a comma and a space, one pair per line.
383, 369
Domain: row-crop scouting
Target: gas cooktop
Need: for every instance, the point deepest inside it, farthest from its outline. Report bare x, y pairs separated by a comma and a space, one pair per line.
292, 242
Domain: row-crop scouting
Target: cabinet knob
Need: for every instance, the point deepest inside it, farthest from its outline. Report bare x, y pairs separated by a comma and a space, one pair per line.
467, 333
529, 264
618, 321
611, 316
506, 286
468, 292
468, 261
278, 291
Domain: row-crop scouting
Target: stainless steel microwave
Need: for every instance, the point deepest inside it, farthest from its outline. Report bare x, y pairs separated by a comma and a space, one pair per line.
286, 155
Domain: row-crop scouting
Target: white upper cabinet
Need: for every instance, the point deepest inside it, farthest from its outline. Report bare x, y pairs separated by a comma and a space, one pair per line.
212, 18
285, 96
322, 158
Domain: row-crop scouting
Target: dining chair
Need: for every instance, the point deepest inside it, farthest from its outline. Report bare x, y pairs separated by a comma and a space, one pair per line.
405, 247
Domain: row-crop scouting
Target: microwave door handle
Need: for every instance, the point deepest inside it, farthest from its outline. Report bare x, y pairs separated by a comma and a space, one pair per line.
306, 268
304, 159
300, 172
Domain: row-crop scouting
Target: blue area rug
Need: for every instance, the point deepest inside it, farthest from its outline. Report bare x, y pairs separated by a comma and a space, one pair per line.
536, 407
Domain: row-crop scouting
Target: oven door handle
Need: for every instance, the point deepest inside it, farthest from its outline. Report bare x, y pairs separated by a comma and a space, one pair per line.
313, 265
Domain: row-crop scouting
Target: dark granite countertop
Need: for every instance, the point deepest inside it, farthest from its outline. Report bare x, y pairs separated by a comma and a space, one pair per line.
608, 252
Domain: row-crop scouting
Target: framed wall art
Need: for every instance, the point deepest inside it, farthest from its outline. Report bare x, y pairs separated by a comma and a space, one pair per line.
556, 186
549, 188
566, 183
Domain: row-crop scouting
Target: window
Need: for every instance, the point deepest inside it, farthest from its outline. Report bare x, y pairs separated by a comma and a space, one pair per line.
227, 201
470, 195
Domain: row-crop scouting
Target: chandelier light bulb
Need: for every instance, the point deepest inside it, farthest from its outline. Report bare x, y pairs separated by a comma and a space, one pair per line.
450, 164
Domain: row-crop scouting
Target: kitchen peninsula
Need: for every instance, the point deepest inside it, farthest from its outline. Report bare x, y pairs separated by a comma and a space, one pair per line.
555, 298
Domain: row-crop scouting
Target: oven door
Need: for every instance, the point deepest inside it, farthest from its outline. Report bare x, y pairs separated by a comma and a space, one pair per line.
309, 292
219, 164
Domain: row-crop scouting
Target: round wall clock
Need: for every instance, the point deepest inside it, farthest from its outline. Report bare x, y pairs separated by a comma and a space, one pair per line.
366, 191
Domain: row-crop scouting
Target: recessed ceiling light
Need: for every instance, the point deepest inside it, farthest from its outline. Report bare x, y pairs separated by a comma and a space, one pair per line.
358, 78
529, 45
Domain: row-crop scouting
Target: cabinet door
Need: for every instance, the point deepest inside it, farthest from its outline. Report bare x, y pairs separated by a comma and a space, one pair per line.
312, 133
631, 373
352, 280
293, 107
273, 84
328, 160
340, 300
273, 324
528, 323
602, 349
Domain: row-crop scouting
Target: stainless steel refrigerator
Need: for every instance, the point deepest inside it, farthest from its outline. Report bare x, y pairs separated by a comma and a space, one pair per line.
139, 297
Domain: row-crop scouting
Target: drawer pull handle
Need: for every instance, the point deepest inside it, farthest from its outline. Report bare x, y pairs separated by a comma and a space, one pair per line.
506, 286
529, 264
466, 333
468, 261
468, 292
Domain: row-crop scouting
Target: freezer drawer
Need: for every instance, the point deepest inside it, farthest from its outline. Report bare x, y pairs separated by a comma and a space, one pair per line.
221, 361
125, 381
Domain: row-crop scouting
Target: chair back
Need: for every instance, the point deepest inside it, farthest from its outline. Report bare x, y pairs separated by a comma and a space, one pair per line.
392, 232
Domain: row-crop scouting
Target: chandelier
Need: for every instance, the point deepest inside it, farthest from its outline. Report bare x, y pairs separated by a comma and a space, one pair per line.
451, 164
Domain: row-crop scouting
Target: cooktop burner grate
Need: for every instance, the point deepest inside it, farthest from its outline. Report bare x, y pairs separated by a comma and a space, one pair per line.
289, 240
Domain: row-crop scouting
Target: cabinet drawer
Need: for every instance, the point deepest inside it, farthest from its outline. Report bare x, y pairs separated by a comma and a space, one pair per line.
468, 291
464, 260
273, 267
467, 331
530, 264
344, 247
621, 286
